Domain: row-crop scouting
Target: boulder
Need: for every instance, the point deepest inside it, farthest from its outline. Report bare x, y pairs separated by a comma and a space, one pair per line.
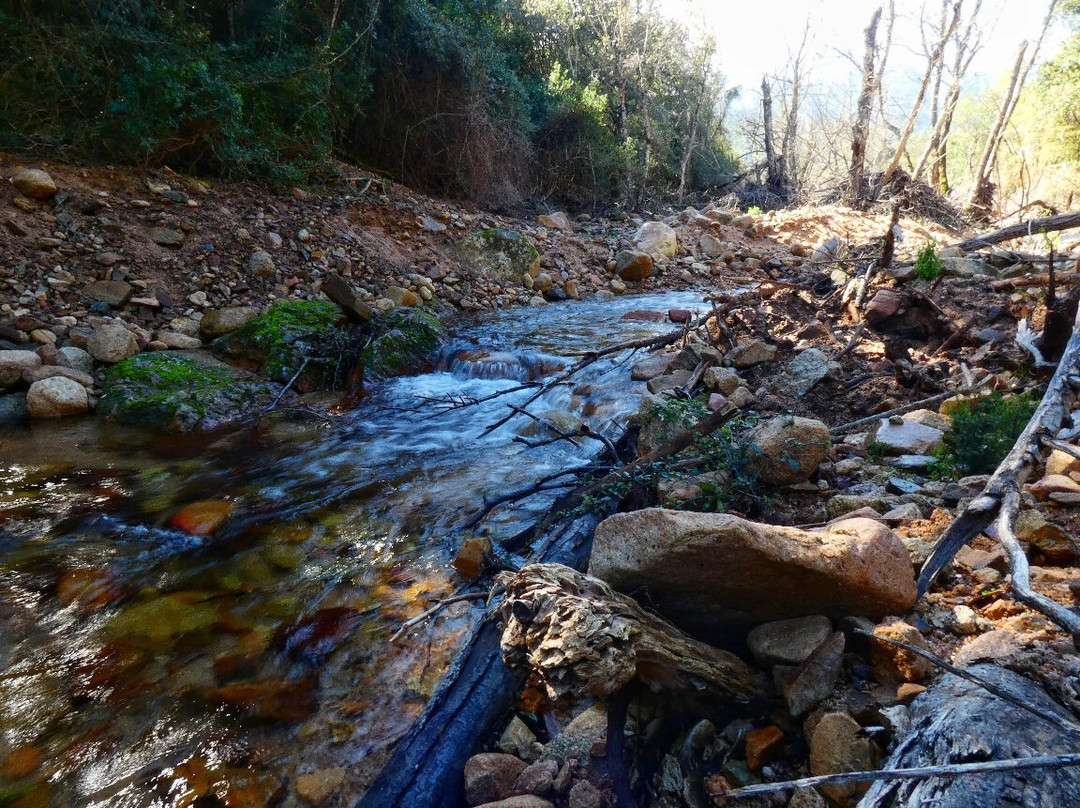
558, 220
904, 437
712, 573
14, 363
490, 775
75, 358
218, 322
502, 254
788, 642
723, 380
115, 293
711, 246
112, 343
633, 266
56, 397
751, 353
786, 449
34, 183
657, 239
800, 374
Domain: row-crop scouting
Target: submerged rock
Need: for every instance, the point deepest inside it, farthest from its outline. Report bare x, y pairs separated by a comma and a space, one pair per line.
714, 573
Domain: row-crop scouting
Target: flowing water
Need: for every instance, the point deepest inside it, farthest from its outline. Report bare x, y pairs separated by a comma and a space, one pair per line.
144, 664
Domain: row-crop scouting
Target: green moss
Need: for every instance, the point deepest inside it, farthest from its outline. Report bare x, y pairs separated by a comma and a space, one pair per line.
279, 340
502, 253
401, 339
176, 392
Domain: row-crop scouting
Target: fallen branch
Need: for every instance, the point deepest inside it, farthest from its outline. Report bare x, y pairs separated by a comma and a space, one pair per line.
439, 605
918, 773
1013, 470
1032, 227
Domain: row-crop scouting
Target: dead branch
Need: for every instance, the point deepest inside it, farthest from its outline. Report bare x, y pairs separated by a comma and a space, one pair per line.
917, 773
580, 636
1031, 280
437, 607
451, 403
1018, 564
1032, 227
914, 405
1014, 469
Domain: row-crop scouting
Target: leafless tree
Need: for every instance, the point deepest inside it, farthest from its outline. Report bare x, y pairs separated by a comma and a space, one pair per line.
863, 111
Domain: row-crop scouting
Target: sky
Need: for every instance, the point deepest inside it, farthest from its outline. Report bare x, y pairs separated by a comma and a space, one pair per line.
759, 38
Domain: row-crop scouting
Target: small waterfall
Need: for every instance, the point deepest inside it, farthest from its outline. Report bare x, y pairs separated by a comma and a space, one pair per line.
481, 362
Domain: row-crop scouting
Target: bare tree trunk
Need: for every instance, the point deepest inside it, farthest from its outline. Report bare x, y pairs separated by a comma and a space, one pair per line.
980, 190
708, 48
933, 64
774, 180
789, 146
861, 132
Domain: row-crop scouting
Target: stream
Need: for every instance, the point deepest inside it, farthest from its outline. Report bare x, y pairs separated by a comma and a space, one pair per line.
145, 665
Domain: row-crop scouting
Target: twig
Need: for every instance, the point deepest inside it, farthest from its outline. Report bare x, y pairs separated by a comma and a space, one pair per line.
439, 604
870, 419
916, 773
1018, 564
853, 341
451, 403
523, 493
985, 684
285, 389
1061, 446
544, 423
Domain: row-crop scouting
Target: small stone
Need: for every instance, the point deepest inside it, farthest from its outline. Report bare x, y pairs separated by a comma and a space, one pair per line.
75, 358
651, 367
584, 794
813, 681
907, 437
633, 266
557, 221
56, 397
218, 322
837, 746
112, 342
490, 775
787, 449
991, 646
202, 518
34, 183
472, 558
763, 746
166, 237
21, 762
173, 340
401, 296
518, 740
13, 364
538, 778
912, 462
963, 619
800, 374
520, 801
316, 787
722, 380
657, 239
115, 293
907, 692
788, 642
893, 664
261, 264
751, 353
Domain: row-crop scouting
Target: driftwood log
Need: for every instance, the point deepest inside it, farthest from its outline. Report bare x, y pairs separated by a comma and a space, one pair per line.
957, 721
1032, 227
475, 696
581, 637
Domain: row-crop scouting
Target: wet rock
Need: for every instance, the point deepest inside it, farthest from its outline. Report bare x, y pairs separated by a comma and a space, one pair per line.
13, 409
903, 437
538, 778
315, 636
14, 363
788, 642
472, 557
288, 701
751, 353
633, 266
202, 518
584, 794
812, 682
892, 664
261, 264
180, 393
34, 183
166, 237
787, 450
112, 343
521, 801
115, 293
162, 618
800, 374
56, 397
21, 762
657, 239
837, 746
710, 572
763, 746
317, 787
490, 775
648, 368
518, 740
91, 588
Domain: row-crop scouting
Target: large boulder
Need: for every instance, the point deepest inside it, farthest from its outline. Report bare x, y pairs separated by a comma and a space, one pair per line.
111, 343
14, 363
180, 393
502, 254
657, 239
716, 573
786, 449
633, 266
56, 397
34, 183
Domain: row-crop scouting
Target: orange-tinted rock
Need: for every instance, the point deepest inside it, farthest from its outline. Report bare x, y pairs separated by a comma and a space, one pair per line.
202, 518
317, 635
20, 763
471, 560
763, 746
90, 588
275, 700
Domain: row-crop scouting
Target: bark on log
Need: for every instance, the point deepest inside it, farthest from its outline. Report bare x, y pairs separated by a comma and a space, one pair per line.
1032, 227
957, 721
476, 694
582, 637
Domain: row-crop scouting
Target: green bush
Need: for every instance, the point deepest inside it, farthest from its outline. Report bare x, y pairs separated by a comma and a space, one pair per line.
983, 431
928, 265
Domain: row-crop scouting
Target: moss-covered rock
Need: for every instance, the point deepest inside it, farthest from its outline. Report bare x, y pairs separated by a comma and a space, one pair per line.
179, 393
502, 254
277, 342
401, 339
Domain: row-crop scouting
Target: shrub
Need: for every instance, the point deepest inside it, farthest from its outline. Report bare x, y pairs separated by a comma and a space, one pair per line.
983, 432
928, 265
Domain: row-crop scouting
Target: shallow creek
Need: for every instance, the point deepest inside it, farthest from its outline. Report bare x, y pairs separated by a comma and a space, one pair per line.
141, 665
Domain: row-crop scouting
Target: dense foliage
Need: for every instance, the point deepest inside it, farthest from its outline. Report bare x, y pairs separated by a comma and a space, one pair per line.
491, 99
